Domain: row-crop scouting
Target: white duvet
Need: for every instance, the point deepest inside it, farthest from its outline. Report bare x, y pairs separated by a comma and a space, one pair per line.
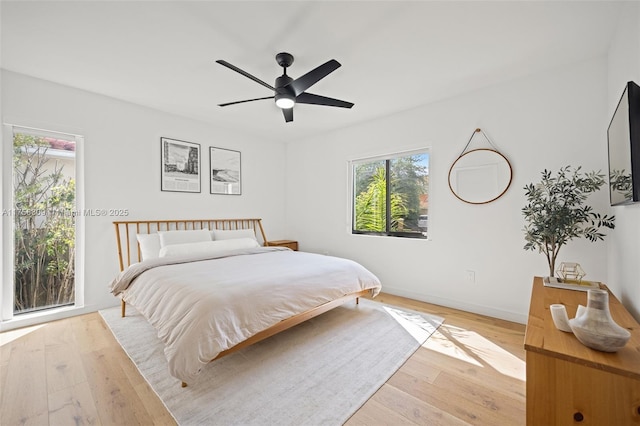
203, 307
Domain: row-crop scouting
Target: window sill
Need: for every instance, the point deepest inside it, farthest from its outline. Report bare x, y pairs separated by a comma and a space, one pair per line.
383, 235
33, 318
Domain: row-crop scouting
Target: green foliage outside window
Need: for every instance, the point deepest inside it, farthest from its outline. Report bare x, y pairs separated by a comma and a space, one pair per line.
371, 205
44, 227
407, 191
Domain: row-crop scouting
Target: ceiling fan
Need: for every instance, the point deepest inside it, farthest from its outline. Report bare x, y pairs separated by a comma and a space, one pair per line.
287, 91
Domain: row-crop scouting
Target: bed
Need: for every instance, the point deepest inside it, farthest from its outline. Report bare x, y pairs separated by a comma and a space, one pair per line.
213, 286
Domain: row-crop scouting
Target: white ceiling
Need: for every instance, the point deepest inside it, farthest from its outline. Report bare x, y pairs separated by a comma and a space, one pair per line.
395, 55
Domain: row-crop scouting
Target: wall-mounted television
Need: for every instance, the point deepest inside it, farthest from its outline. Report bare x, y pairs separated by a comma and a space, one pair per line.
623, 137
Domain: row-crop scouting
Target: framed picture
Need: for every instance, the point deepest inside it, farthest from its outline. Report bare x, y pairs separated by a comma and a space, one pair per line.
180, 166
225, 171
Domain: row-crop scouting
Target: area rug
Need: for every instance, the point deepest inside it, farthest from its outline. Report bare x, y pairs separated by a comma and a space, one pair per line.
317, 373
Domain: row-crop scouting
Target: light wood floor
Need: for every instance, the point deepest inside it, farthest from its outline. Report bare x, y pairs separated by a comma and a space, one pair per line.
73, 372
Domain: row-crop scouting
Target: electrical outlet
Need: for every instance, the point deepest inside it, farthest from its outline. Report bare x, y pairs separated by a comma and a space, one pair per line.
471, 277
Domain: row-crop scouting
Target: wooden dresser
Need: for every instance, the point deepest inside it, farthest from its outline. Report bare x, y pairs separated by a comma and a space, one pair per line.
571, 384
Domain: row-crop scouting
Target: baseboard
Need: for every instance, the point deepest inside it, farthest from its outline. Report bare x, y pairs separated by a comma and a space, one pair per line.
457, 304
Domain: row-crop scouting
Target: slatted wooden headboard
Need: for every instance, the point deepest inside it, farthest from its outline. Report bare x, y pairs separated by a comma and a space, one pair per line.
126, 231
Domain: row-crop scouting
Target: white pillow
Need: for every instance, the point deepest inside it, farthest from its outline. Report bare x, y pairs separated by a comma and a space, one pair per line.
149, 245
168, 238
229, 234
208, 247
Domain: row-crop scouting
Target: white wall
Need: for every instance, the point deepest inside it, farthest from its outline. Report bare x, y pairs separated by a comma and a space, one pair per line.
122, 167
543, 121
624, 247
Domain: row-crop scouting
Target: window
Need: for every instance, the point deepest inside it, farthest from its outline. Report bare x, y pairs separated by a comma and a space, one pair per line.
391, 195
44, 220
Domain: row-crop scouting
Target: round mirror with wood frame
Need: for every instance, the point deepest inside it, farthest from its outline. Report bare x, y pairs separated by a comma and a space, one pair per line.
480, 176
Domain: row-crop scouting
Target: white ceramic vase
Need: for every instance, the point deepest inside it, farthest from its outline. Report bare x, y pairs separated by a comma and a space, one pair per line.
594, 326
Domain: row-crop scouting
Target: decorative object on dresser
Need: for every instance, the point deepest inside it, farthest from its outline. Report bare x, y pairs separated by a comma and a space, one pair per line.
595, 328
571, 271
569, 383
570, 278
293, 245
593, 325
582, 285
560, 317
556, 211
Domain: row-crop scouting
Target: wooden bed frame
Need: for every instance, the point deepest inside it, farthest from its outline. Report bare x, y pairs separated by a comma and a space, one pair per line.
129, 252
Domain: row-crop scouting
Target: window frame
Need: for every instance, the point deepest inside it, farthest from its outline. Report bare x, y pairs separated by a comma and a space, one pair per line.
387, 158
7, 290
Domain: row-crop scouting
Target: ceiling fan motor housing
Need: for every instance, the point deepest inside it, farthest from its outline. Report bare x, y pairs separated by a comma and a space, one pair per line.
282, 90
282, 81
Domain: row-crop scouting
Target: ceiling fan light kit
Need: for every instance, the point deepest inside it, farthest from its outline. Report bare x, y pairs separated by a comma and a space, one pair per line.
285, 101
287, 91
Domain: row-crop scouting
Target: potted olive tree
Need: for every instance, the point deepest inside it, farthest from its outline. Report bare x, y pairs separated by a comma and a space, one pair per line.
556, 212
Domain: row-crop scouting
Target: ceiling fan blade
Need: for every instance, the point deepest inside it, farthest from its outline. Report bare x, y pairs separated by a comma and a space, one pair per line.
288, 114
248, 100
301, 84
310, 98
246, 74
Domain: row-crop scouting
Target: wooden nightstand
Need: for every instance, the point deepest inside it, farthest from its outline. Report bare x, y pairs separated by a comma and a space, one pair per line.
293, 245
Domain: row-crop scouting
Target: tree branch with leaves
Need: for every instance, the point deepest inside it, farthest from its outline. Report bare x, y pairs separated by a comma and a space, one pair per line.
44, 227
556, 212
